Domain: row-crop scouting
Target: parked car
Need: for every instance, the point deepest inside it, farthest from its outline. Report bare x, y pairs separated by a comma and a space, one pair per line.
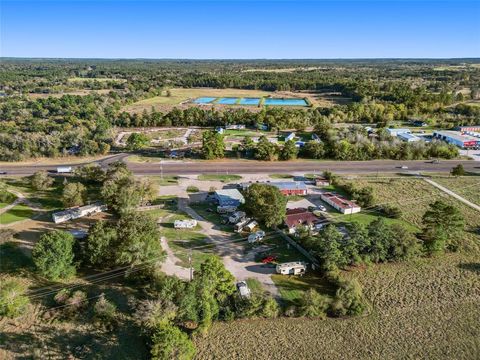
317, 208
243, 289
256, 236
269, 259
404, 167
3, 173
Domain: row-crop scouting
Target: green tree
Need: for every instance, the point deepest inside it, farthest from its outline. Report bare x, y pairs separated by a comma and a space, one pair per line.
138, 240
53, 255
380, 236
403, 245
169, 342
289, 151
313, 304
100, 244
90, 173
137, 141
265, 150
74, 194
13, 300
41, 181
330, 252
442, 225
458, 170
313, 150
266, 203
215, 278
213, 146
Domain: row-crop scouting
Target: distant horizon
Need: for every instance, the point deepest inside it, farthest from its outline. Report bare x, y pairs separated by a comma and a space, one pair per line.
237, 59
226, 30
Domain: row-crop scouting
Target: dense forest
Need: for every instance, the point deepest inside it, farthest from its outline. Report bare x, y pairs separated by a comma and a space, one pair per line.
437, 91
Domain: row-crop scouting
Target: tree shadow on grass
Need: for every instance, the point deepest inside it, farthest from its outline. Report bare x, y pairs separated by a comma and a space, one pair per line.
474, 267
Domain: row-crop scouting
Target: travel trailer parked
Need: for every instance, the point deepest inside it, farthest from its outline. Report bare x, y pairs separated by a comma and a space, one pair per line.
292, 268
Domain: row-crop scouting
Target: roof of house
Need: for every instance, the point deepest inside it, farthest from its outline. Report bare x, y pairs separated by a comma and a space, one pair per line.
408, 136
229, 197
290, 185
300, 216
398, 131
339, 200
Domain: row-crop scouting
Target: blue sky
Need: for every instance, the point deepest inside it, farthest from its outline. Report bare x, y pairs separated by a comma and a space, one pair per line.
247, 29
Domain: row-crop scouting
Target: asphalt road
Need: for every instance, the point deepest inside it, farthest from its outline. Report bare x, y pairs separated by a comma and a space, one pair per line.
187, 167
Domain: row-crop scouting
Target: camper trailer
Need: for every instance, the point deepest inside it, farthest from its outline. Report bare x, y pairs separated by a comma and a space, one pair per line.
184, 224
250, 226
236, 217
239, 226
291, 268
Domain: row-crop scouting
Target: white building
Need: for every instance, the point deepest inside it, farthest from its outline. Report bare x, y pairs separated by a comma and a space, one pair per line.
396, 132
290, 136
458, 139
78, 212
340, 203
408, 137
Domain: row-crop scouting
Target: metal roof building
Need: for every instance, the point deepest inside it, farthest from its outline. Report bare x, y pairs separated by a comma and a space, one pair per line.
458, 139
229, 197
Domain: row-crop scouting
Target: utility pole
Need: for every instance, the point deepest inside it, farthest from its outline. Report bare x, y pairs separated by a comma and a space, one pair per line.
190, 264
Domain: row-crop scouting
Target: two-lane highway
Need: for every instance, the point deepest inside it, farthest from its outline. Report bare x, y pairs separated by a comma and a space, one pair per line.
190, 167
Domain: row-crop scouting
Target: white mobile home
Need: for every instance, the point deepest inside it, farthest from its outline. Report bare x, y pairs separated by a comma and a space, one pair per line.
78, 212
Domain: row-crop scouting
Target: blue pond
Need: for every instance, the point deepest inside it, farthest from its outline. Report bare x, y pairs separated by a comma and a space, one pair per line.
204, 100
227, 101
288, 102
249, 101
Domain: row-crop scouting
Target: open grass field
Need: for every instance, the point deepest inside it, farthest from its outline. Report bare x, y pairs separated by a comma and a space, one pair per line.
17, 213
178, 96
164, 180
427, 309
465, 186
219, 177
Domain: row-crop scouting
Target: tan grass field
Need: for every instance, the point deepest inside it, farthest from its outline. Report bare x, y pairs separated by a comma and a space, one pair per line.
75, 92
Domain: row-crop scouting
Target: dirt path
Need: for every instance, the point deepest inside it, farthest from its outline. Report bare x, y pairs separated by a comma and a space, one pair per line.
170, 266
451, 193
241, 265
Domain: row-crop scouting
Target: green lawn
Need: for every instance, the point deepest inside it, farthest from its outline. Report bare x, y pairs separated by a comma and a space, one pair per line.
17, 213
165, 180
292, 287
367, 217
219, 177
281, 176
212, 216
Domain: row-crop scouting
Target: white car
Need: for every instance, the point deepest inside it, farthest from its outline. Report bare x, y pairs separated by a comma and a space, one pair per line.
256, 236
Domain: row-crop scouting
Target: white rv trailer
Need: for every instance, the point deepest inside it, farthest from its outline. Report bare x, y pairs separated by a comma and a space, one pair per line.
292, 268
185, 224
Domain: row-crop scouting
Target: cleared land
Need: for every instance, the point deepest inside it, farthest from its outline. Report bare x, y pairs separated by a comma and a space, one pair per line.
73, 92
178, 96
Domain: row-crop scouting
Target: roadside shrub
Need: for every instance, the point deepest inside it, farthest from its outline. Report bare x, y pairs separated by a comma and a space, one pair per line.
313, 304
105, 311
169, 342
391, 211
41, 181
152, 314
348, 299
192, 189
71, 303
12, 298
270, 308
